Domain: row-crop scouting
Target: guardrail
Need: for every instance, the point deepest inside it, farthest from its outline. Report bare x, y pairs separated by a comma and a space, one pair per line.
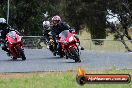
107, 44
32, 41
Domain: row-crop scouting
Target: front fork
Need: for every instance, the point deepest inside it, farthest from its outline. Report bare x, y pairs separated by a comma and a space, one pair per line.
14, 49
75, 46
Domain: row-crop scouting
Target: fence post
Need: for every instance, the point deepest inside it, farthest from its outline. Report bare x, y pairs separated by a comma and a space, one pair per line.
90, 45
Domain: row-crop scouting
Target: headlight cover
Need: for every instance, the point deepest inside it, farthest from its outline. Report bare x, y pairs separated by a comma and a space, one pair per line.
71, 39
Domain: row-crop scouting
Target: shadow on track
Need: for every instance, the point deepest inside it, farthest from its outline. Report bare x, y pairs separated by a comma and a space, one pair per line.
71, 62
11, 60
52, 58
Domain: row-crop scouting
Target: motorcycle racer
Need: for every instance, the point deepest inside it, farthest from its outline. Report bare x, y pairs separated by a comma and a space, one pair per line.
4, 29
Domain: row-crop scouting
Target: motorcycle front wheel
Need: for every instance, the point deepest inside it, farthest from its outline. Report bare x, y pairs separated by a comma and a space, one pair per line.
22, 53
75, 54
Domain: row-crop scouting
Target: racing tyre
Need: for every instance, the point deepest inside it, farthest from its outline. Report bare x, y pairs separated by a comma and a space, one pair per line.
22, 54
75, 55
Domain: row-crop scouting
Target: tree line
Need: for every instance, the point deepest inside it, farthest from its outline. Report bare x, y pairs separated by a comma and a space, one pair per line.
27, 16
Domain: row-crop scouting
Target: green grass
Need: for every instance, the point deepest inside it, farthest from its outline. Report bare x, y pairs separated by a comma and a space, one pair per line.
107, 45
56, 80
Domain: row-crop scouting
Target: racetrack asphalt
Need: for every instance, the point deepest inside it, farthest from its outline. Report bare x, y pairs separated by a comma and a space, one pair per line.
39, 60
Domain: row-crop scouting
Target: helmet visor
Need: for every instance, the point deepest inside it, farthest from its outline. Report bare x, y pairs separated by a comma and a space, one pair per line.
56, 21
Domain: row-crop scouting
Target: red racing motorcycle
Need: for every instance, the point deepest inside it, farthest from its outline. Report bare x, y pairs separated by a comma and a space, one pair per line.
15, 45
69, 45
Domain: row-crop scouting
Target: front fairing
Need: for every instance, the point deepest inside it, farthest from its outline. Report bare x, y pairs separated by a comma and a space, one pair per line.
66, 37
13, 38
13, 41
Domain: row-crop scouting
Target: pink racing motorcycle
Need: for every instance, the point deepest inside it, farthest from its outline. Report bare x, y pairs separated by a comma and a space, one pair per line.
69, 45
15, 45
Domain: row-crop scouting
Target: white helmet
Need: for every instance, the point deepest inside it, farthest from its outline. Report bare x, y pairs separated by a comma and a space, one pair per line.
2, 20
46, 25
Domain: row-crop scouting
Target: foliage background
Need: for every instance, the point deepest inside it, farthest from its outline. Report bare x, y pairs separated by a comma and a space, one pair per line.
27, 16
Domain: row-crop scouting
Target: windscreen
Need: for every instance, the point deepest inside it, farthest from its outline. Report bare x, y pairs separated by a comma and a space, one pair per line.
64, 34
12, 34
